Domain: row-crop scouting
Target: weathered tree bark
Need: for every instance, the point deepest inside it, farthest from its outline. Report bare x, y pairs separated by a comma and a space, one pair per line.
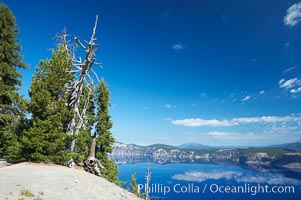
147, 179
83, 68
92, 149
92, 164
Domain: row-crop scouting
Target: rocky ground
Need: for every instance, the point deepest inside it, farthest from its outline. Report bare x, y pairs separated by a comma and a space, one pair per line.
48, 182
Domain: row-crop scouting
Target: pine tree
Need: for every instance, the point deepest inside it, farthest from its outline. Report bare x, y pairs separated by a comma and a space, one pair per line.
46, 139
134, 186
12, 105
105, 139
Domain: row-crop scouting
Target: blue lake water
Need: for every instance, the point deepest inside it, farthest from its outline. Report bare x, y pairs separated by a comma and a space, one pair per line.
210, 181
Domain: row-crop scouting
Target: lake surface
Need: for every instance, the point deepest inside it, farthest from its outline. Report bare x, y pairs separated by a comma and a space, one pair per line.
210, 181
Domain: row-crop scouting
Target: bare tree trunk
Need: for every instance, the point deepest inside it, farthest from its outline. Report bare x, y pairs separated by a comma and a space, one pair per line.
147, 179
92, 164
92, 149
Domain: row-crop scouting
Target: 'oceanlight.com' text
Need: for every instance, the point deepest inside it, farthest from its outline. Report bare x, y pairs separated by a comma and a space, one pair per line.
192, 188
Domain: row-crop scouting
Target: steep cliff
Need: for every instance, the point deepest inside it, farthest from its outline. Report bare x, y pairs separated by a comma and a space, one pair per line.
259, 159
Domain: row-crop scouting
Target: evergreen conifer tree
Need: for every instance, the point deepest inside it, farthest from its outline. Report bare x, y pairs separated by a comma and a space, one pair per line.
105, 139
46, 139
12, 105
134, 186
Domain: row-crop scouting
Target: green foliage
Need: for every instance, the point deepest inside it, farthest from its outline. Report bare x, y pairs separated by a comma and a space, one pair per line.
12, 105
46, 139
81, 149
134, 186
26, 193
110, 171
105, 139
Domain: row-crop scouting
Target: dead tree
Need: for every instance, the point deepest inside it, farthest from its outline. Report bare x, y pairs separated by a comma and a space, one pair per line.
147, 179
82, 68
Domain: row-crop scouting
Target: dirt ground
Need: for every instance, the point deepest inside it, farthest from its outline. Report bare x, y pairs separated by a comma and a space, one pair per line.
52, 182
3, 163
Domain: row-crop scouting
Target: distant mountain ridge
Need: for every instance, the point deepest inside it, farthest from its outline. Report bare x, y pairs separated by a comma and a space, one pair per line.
295, 146
165, 146
275, 157
195, 146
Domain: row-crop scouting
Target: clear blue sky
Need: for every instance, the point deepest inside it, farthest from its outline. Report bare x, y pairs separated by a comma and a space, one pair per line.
222, 72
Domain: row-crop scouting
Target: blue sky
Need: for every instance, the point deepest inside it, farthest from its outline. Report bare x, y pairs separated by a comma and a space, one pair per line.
220, 72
